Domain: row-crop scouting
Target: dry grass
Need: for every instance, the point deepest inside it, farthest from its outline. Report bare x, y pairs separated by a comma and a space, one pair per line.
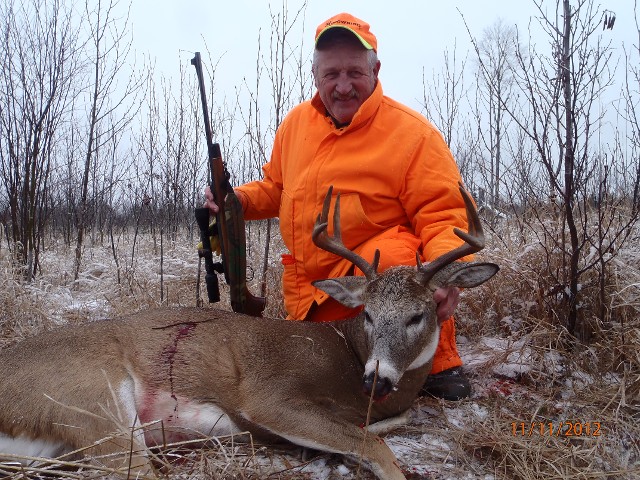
207, 458
556, 380
526, 370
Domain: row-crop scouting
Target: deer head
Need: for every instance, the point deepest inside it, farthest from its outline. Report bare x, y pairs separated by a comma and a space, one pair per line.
399, 316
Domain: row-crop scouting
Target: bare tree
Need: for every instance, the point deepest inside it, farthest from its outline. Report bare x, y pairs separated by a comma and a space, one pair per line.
441, 100
289, 84
494, 80
631, 94
442, 104
109, 48
40, 56
561, 119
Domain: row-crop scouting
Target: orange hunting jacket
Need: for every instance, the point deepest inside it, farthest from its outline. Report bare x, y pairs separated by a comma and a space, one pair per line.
391, 167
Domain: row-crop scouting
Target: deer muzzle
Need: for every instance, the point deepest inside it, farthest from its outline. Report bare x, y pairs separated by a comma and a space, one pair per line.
380, 386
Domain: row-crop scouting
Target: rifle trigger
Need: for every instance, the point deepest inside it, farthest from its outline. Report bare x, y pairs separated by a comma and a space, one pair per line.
218, 267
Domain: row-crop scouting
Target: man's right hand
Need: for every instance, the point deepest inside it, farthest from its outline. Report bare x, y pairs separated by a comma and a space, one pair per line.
209, 201
447, 299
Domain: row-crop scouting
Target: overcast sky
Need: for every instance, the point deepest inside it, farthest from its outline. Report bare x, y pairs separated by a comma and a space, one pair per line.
412, 35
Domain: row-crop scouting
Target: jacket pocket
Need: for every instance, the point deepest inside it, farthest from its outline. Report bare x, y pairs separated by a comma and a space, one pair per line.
356, 226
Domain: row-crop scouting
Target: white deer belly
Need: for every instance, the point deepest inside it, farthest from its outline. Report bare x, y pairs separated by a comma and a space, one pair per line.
179, 418
29, 447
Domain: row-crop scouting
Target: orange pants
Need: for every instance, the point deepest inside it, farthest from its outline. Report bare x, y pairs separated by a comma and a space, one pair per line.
399, 248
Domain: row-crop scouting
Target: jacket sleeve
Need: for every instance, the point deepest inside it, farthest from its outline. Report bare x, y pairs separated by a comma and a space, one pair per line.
431, 197
261, 199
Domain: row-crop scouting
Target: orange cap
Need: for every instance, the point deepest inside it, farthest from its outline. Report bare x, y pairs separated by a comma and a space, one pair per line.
356, 26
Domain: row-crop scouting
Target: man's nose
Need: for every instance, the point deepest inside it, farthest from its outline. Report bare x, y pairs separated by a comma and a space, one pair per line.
343, 85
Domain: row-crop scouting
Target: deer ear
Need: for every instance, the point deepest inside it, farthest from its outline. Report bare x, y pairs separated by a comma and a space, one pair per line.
472, 275
349, 291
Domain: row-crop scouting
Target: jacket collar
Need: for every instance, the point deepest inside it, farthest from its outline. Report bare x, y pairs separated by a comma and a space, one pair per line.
366, 111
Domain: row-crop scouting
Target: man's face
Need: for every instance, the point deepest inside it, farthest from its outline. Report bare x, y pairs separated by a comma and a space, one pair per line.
344, 79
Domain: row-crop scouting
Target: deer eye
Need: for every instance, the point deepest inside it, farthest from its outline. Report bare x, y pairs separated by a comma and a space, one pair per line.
415, 320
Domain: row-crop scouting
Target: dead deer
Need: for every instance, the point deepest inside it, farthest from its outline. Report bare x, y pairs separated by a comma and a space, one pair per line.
212, 372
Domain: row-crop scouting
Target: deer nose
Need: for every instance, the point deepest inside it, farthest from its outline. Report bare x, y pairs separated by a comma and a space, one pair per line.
383, 386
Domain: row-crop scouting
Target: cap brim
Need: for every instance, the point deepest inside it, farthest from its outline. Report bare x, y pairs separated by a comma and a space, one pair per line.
365, 44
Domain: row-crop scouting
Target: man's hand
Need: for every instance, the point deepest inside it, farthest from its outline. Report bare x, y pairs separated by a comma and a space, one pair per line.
209, 201
447, 299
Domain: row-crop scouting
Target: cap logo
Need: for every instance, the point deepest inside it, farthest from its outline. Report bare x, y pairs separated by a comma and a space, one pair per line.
343, 22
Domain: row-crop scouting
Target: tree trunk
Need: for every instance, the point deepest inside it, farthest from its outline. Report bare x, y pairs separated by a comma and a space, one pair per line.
569, 164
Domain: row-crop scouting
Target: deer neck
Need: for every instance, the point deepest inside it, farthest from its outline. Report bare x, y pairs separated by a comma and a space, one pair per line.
352, 330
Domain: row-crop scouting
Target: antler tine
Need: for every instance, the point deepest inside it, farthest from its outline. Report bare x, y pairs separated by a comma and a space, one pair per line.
334, 244
474, 241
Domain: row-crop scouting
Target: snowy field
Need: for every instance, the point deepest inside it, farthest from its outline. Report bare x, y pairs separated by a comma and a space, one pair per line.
541, 407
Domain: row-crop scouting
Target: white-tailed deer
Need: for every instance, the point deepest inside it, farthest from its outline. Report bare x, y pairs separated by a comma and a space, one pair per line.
212, 372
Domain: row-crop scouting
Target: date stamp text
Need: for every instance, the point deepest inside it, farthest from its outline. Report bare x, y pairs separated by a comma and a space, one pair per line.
556, 429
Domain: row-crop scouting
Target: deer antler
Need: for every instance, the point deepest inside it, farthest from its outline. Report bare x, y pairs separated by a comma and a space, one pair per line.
334, 244
474, 241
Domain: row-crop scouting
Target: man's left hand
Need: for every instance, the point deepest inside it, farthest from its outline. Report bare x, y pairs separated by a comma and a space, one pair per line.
447, 299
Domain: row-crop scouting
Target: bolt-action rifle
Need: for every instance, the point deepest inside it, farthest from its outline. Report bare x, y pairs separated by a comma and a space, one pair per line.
229, 227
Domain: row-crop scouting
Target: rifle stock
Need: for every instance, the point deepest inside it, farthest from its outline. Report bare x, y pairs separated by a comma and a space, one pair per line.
229, 220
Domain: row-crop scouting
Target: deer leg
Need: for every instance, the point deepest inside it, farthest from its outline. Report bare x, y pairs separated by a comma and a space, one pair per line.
388, 424
312, 427
111, 433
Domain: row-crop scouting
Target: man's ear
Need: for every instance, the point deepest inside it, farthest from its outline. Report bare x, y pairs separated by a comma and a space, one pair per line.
376, 69
349, 291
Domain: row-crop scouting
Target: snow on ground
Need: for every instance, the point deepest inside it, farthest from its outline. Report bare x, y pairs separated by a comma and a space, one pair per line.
444, 440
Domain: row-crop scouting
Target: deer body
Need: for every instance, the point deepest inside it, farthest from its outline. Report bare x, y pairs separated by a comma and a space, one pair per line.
199, 372
211, 372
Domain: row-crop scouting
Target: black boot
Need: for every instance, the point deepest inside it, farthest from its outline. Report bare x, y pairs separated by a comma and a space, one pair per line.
451, 384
